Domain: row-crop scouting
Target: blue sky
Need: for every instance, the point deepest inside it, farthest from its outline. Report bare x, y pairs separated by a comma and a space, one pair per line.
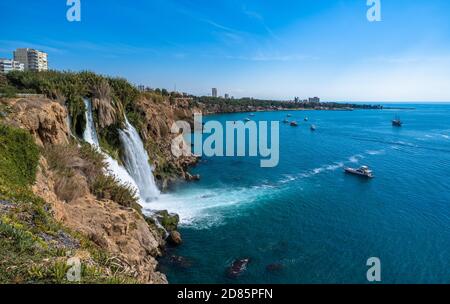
261, 48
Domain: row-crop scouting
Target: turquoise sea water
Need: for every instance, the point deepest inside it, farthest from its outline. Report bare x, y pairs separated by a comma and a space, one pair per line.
318, 223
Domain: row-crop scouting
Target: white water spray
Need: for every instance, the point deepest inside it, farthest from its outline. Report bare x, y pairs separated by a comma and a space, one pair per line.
113, 167
137, 162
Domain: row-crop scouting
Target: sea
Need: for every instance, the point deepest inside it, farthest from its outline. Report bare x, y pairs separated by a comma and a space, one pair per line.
305, 220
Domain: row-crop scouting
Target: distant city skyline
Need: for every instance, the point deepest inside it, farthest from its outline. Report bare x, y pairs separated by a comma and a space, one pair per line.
264, 49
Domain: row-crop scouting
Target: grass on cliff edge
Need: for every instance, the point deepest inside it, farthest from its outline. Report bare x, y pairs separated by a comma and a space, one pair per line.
34, 248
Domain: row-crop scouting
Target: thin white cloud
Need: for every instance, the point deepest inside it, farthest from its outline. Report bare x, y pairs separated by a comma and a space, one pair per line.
11, 45
257, 16
265, 57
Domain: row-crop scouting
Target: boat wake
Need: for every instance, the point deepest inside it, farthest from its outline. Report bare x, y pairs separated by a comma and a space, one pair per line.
329, 167
375, 152
355, 158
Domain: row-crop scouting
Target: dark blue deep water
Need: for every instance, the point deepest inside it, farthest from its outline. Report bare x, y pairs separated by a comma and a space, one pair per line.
318, 223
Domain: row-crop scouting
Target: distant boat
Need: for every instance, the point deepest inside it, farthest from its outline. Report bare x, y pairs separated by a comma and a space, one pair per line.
252, 114
289, 115
306, 119
397, 122
247, 119
313, 128
363, 171
285, 121
294, 124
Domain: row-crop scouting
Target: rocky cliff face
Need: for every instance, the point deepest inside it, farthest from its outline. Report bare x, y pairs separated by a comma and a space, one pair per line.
45, 119
121, 231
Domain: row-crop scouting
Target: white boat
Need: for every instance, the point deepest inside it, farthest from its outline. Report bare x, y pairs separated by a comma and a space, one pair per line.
363, 171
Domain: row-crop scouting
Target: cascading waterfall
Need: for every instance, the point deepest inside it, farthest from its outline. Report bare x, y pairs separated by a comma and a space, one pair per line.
113, 167
137, 162
140, 176
90, 134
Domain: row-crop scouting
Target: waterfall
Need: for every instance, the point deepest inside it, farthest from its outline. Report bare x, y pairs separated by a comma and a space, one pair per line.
137, 162
113, 167
90, 134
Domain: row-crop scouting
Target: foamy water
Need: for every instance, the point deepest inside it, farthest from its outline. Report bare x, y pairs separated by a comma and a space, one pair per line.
201, 208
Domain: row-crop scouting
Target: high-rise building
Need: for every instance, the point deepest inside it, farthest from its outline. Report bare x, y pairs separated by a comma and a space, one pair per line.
8, 65
227, 96
314, 99
214, 92
32, 59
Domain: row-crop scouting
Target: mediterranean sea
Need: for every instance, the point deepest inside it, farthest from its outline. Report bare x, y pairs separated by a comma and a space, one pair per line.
306, 221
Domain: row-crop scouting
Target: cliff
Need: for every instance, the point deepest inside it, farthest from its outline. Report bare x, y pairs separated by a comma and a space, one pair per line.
107, 234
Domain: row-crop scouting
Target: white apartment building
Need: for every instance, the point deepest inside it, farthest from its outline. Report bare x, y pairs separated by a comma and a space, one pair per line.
32, 59
8, 65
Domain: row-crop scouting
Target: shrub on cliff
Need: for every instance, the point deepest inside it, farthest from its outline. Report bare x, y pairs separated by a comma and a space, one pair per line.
18, 157
108, 187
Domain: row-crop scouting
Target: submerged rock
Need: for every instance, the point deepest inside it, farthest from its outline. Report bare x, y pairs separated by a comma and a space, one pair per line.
179, 261
237, 268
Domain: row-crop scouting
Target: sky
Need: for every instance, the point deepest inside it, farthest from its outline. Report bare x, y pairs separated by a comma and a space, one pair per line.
250, 48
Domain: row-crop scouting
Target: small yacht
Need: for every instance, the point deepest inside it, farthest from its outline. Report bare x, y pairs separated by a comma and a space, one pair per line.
306, 119
247, 119
397, 122
289, 115
252, 114
363, 171
294, 124
285, 121
313, 128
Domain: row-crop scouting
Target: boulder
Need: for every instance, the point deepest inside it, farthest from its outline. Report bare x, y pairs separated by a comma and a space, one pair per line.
192, 178
180, 262
175, 238
237, 268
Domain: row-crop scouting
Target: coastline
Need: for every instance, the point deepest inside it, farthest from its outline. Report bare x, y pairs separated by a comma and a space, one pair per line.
57, 124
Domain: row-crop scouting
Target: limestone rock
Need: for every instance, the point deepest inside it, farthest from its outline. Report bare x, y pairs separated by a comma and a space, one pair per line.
175, 238
45, 119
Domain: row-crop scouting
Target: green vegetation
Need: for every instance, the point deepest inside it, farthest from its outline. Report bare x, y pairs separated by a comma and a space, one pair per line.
70, 88
18, 157
222, 105
33, 247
